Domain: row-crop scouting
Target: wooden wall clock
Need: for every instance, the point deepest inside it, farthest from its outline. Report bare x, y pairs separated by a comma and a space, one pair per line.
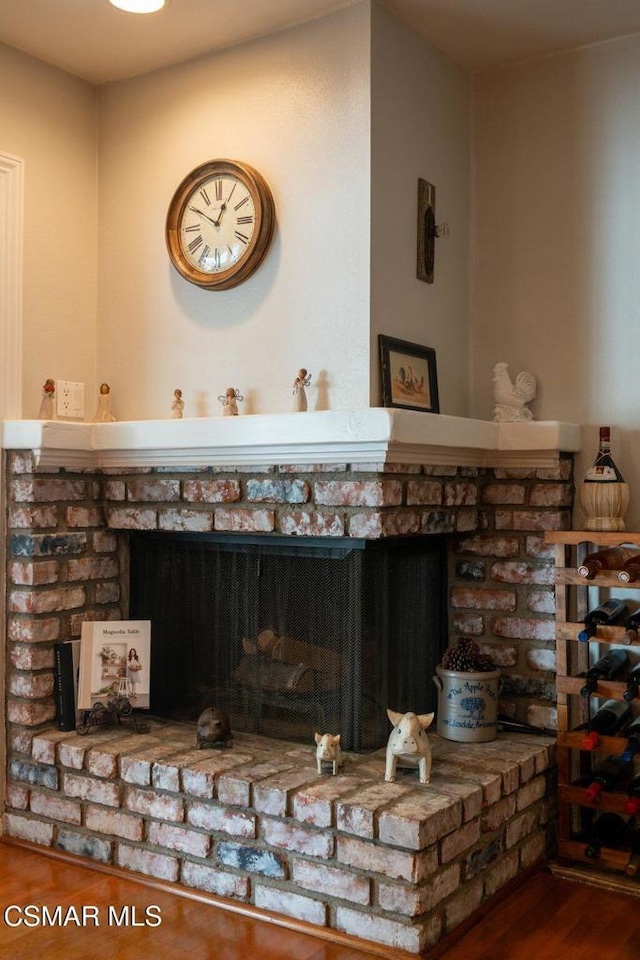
220, 224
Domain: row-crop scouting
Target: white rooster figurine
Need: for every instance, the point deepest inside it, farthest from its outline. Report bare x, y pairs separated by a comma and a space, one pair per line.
511, 399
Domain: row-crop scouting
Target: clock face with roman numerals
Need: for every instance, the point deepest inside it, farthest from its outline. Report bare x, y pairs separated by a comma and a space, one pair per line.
219, 224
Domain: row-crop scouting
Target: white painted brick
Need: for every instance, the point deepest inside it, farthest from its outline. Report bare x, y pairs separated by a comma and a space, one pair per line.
145, 861
219, 819
531, 792
402, 936
411, 900
504, 870
25, 828
291, 904
375, 858
148, 803
55, 808
114, 823
420, 820
180, 839
332, 881
458, 841
95, 791
463, 903
213, 880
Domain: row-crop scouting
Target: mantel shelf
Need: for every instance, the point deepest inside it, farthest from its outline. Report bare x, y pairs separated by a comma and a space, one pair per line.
375, 435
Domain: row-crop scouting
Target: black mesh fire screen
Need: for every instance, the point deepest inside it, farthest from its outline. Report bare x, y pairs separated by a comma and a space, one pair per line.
290, 636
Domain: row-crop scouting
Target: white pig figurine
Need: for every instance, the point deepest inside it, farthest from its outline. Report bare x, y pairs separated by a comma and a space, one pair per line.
408, 744
328, 751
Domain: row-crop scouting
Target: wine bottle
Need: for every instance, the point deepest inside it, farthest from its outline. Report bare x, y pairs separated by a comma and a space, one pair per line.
604, 495
605, 776
607, 830
604, 469
633, 864
632, 733
633, 684
631, 627
613, 558
631, 570
633, 803
606, 722
606, 614
605, 668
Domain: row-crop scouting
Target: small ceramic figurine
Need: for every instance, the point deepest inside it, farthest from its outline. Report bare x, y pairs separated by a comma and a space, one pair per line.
302, 380
511, 399
47, 405
408, 744
229, 402
103, 413
213, 729
177, 405
328, 751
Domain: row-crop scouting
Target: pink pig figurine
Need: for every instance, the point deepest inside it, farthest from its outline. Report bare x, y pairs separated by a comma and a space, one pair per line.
328, 751
408, 744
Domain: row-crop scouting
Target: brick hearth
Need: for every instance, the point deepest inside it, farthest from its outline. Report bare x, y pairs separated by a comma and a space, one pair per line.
411, 861
398, 864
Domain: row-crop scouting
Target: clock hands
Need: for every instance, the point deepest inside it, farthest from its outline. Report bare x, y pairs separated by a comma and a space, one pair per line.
224, 205
222, 209
202, 214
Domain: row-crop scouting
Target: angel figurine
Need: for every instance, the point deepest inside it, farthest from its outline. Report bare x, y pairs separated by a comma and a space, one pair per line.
48, 400
103, 413
302, 380
229, 401
177, 405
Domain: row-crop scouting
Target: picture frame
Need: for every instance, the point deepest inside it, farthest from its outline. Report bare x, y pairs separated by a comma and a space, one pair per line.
408, 375
427, 231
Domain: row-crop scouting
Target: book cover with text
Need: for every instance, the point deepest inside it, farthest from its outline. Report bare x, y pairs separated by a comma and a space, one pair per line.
115, 660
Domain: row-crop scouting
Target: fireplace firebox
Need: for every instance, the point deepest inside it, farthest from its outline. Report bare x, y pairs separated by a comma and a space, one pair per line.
292, 635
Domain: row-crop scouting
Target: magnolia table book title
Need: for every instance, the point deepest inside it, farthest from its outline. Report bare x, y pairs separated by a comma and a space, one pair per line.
115, 660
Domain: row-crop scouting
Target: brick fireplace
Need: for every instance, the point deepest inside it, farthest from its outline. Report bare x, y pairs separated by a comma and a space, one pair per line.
398, 864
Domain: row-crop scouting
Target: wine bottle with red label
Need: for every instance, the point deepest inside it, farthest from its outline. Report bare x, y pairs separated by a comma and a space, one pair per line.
605, 776
607, 722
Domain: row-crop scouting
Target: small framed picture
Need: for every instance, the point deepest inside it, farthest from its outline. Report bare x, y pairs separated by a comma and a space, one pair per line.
408, 375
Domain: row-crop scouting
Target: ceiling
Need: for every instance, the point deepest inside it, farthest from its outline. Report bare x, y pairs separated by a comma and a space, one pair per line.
94, 40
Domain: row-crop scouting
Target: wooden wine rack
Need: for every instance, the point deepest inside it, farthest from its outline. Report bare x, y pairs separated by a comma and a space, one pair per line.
572, 661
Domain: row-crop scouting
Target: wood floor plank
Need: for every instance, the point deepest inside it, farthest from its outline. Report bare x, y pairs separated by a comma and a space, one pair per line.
547, 918
552, 919
195, 930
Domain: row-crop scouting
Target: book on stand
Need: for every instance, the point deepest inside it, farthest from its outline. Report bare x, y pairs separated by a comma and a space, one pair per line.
67, 667
115, 660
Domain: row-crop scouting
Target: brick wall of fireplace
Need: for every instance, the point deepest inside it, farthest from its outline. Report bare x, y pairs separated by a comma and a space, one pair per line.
67, 561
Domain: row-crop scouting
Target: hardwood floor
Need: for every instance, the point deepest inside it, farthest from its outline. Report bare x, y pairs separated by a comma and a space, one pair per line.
189, 928
547, 918
553, 919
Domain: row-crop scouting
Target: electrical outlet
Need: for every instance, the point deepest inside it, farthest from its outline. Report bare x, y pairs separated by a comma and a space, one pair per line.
69, 399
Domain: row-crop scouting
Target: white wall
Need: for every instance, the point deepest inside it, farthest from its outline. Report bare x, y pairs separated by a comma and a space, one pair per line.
296, 106
421, 127
556, 283
48, 119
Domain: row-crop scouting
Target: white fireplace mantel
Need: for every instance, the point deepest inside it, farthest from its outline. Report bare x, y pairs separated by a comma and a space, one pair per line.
376, 435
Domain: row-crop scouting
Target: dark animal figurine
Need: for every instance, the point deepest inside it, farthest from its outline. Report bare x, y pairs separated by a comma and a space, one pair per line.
214, 729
